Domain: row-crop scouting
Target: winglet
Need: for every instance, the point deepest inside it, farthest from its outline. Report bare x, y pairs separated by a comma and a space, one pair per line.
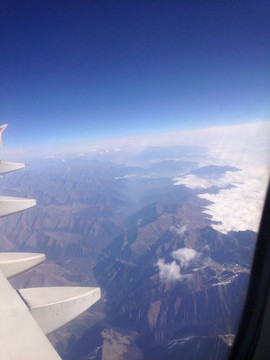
2, 128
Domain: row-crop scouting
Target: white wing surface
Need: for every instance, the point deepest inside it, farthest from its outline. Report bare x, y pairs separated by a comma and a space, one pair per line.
26, 315
20, 336
11, 205
6, 167
2, 129
12, 264
53, 307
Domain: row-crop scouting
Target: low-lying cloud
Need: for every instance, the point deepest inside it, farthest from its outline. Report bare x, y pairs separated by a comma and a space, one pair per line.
184, 256
170, 272
240, 207
243, 146
178, 230
196, 182
237, 208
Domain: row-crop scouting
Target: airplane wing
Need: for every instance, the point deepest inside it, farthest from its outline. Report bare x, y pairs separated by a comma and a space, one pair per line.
2, 128
27, 315
21, 337
9, 166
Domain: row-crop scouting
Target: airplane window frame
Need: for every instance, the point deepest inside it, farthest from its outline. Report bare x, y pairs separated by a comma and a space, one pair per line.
252, 339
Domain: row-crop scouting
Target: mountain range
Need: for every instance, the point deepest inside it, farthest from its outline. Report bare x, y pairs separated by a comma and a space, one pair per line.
172, 286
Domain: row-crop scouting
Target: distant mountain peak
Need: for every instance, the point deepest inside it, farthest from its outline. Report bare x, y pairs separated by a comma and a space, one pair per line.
212, 171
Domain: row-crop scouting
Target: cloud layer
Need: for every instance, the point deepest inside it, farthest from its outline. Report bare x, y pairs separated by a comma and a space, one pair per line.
237, 208
195, 182
235, 144
247, 147
240, 207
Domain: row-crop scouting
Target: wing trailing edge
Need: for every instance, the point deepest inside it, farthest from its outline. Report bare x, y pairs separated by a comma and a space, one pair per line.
53, 307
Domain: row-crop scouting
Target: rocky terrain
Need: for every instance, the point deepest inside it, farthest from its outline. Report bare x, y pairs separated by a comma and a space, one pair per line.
176, 310
172, 286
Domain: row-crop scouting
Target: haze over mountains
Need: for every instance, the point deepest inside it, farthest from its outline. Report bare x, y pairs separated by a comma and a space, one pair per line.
173, 276
144, 127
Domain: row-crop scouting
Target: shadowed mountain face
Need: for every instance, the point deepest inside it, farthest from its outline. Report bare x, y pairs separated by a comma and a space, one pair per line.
212, 171
159, 153
176, 307
173, 287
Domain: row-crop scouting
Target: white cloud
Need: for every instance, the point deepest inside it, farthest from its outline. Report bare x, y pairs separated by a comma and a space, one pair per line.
240, 207
50, 157
241, 145
195, 182
102, 152
128, 176
184, 256
178, 230
169, 272
108, 151
234, 145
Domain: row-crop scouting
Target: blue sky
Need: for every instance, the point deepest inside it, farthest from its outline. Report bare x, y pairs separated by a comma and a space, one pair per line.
79, 70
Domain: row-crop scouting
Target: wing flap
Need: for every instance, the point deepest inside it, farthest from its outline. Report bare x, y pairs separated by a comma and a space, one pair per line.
11, 205
53, 307
12, 264
6, 167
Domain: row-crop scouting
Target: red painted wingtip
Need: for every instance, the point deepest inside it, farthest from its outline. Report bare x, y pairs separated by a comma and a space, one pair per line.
3, 127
